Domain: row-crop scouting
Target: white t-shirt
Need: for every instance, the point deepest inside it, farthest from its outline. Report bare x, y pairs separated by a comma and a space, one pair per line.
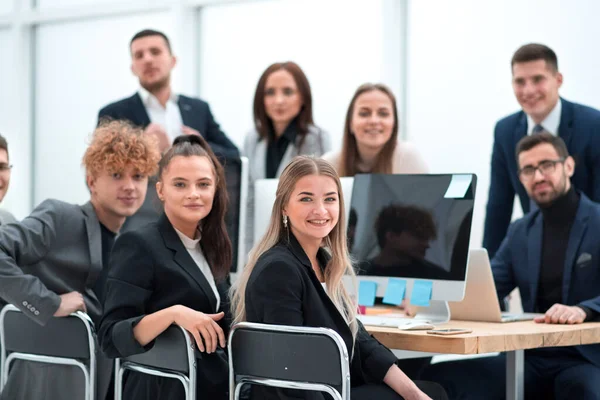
193, 247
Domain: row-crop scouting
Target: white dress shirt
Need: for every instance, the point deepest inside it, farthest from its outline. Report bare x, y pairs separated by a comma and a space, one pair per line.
193, 247
551, 123
169, 117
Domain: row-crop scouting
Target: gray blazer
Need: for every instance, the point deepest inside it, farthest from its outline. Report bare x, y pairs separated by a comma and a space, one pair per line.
316, 143
6, 217
55, 250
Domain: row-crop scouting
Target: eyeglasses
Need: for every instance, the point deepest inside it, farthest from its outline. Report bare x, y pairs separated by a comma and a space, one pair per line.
5, 167
546, 167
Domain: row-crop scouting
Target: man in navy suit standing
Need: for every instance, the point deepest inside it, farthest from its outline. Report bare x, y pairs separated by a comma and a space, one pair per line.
536, 81
552, 255
161, 112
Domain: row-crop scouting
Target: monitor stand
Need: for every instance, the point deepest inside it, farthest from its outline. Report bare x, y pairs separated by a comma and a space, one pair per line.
438, 312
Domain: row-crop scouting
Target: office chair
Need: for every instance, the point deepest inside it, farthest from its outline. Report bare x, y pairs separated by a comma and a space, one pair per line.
65, 341
305, 358
172, 356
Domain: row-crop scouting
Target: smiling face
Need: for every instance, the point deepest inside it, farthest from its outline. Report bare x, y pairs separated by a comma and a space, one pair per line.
4, 173
152, 62
544, 188
187, 189
373, 120
313, 208
536, 88
119, 194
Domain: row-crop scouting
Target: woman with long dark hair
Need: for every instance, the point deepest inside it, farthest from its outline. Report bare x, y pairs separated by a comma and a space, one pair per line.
173, 272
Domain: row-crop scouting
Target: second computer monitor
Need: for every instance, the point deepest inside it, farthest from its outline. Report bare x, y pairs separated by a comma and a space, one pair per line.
415, 227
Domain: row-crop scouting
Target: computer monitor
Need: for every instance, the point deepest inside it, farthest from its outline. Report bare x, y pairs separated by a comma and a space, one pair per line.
236, 179
412, 227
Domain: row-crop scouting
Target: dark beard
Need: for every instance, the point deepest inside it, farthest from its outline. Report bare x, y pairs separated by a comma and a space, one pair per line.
156, 86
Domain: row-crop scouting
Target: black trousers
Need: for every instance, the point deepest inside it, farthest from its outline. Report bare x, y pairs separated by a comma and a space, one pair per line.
383, 392
551, 374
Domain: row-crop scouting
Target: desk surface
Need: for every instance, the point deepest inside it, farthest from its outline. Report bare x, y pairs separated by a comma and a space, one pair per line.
489, 337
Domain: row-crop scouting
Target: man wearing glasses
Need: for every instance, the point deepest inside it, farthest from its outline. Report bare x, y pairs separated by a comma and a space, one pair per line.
5, 167
552, 255
536, 81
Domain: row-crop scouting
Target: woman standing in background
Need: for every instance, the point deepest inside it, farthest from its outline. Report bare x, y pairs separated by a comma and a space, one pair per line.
370, 143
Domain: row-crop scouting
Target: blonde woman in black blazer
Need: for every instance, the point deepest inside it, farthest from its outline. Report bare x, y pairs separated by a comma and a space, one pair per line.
173, 272
294, 277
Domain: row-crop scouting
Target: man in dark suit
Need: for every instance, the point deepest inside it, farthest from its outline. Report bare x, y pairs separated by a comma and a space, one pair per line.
536, 81
54, 262
161, 112
551, 255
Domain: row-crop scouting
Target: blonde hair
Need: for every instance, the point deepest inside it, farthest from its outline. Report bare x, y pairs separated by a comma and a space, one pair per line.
335, 242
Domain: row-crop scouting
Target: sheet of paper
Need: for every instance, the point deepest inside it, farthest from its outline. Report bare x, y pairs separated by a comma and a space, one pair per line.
458, 186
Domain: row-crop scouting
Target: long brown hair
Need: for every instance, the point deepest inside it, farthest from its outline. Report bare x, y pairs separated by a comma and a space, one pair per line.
350, 157
335, 242
262, 121
215, 242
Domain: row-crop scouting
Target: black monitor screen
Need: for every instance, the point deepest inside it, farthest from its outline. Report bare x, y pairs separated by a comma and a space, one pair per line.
411, 226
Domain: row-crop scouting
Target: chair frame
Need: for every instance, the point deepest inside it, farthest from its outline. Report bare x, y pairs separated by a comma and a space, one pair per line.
188, 381
89, 372
235, 387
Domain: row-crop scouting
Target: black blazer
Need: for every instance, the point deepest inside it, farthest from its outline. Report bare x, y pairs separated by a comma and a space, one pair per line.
283, 289
195, 113
150, 270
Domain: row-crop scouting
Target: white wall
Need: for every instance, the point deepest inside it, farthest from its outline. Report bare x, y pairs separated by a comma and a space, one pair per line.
338, 44
81, 66
460, 77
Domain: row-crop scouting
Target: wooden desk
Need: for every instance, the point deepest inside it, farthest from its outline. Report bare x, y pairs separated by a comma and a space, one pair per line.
512, 338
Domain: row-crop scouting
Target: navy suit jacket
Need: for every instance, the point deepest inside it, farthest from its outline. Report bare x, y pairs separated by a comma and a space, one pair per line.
518, 261
195, 113
579, 128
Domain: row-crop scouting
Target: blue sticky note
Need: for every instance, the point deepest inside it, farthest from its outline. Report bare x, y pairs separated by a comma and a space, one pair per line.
421, 293
366, 293
394, 294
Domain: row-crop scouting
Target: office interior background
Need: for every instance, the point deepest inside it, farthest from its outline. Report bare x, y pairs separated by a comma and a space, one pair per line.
448, 63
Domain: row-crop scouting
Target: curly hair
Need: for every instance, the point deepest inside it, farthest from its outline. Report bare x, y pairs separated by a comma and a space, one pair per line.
117, 144
397, 218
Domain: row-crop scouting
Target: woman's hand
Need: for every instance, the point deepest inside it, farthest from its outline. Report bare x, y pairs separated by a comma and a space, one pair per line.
202, 325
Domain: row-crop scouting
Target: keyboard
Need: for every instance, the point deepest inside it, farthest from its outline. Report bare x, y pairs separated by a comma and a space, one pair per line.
381, 320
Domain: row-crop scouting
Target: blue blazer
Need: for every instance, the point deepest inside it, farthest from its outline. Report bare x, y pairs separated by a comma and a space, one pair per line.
579, 128
517, 263
195, 113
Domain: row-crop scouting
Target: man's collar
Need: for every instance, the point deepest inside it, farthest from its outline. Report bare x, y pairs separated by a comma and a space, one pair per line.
149, 99
550, 123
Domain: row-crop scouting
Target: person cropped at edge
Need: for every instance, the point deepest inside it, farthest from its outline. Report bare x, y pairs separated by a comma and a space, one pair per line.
162, 112
174, 271
294, 277
370, 143
536, 81
54, 262
552, 255
5, 172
